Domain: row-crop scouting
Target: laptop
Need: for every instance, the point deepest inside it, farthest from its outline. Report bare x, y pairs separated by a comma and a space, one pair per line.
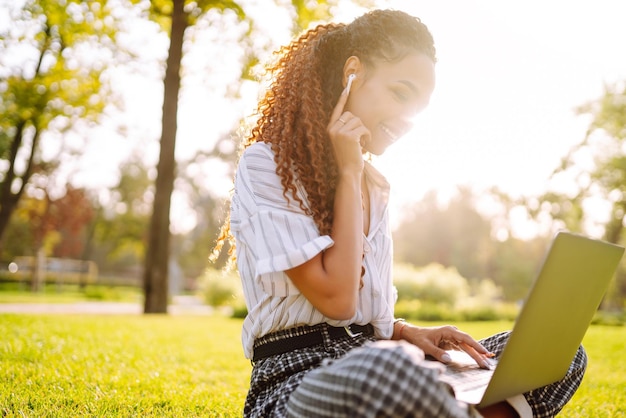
550, 326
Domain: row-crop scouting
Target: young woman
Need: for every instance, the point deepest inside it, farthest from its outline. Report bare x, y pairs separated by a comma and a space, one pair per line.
313, 243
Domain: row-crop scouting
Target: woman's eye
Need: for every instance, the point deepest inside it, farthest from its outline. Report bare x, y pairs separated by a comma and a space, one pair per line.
401, 95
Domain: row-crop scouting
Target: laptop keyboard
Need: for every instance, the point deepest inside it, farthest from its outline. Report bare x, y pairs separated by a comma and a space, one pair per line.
464, 375
466, 378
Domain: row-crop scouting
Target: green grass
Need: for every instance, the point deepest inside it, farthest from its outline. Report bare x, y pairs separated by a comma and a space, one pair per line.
192, 366
603, 391
11, 292
108, 366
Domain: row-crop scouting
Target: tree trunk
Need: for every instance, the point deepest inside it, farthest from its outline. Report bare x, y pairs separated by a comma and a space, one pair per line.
39, 270
9, 199
155, 279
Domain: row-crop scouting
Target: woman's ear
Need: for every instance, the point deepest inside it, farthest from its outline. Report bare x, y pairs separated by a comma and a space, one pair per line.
352, 67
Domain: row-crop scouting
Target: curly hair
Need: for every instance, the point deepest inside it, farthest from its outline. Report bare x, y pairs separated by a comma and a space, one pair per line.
295, 111
307, 82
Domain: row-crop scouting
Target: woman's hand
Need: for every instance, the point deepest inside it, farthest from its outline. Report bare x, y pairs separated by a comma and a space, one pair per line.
347, 134
435, 341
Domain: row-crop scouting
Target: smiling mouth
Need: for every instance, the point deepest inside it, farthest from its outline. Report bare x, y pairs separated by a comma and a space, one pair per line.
393, 136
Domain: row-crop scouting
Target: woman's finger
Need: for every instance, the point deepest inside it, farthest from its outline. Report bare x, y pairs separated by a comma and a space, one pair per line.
483, 360
466, 340
353, 127
339, 107
474, 349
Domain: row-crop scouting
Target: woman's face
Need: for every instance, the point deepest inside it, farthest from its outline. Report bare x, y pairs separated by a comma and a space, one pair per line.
389, 96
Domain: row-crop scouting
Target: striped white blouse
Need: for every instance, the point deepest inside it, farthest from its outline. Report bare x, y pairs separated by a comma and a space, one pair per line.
273, 235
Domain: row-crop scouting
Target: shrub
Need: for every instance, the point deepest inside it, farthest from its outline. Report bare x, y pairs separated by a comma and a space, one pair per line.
221, 288
609, 318
433, 283
240, 311
480, 313
102, 293
437, 293
425, 311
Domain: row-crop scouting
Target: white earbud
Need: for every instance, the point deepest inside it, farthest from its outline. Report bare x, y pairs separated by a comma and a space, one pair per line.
351, 78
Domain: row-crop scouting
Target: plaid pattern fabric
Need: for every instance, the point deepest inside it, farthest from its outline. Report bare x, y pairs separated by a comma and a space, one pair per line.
378, 380
353, 377
547, 401
275, 378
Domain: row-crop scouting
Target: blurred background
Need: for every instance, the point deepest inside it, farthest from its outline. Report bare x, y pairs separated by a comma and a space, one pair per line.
121, 120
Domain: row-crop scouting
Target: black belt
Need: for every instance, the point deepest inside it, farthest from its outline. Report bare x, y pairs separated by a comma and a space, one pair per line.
305, 336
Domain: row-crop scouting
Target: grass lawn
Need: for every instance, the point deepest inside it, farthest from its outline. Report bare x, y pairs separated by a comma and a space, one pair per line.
12, 292
108, 366
192, 366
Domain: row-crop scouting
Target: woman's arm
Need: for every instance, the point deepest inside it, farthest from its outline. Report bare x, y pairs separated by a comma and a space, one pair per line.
331, 280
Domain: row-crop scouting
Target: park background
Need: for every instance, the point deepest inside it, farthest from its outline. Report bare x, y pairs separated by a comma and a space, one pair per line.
523, 137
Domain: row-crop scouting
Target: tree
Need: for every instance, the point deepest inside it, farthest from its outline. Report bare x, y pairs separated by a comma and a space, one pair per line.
609, 175
457, 235
45, 226
454, 234
51, 79
119, 228
155, 279
175, 17
71, 213
597, 170
191, 248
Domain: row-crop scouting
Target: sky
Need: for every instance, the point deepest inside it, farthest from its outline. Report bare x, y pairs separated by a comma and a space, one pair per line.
509, 78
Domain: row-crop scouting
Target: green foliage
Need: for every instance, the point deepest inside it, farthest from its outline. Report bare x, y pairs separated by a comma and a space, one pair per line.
51, 80
609, 111
19, 292
452, 234
436, 293
221, 288
425, 311
515, 263
120, 226
417, 310
191, 249
18, 238
59, 226
161, 11
240, 311
55, 80
456, 235
603, 180
433, 284
309, 12
609, 318
432, 293
106, 293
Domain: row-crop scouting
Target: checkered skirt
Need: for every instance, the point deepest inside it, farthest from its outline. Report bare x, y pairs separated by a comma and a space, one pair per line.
356, 377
